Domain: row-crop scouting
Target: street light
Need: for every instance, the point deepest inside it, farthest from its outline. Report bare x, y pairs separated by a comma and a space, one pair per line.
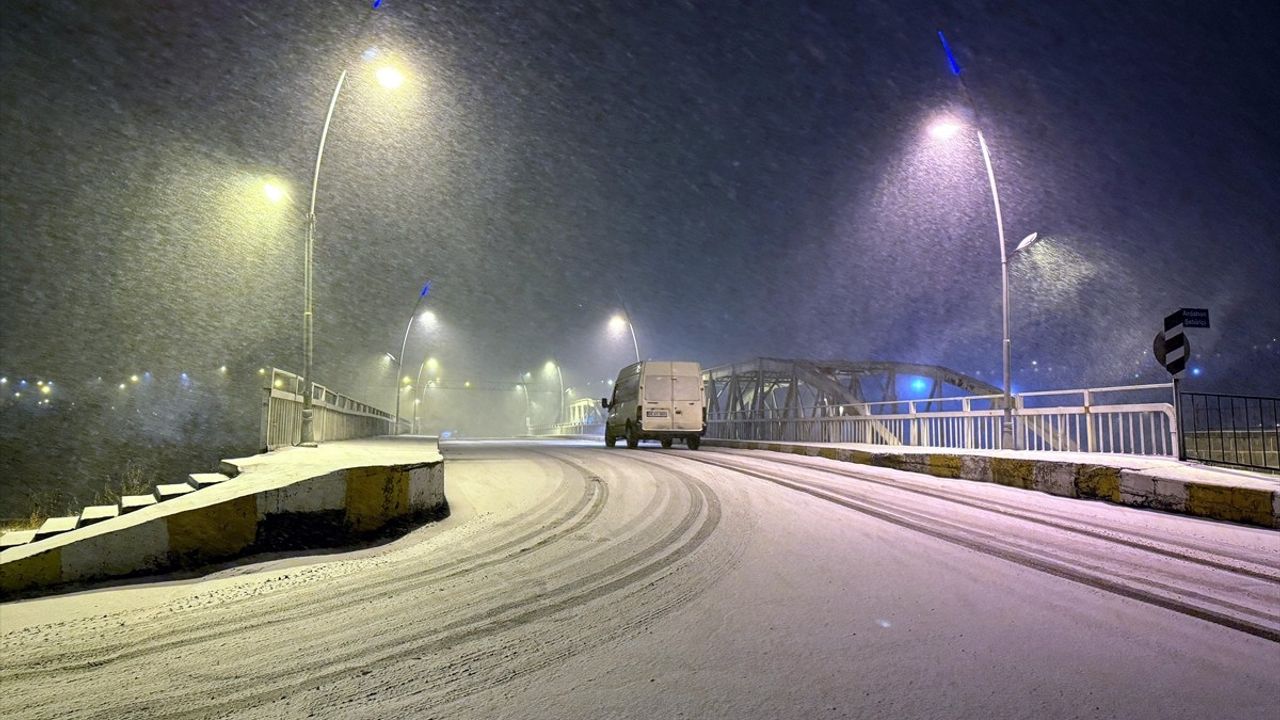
431, 364
274, 191
307, 436
528, 423
946, 129
425, 317
552, 365
623, 320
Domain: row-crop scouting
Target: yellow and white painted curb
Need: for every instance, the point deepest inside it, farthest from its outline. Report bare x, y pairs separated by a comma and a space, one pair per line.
230, 519
1242, 503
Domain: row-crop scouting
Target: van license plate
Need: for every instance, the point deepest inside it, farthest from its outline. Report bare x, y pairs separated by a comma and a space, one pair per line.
655, 413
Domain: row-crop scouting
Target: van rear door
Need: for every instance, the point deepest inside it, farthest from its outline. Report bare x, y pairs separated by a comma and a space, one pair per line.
657, 396
686, 396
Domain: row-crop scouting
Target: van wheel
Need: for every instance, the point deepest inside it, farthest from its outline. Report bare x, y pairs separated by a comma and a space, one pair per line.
609, 439
633, 437
666, 442
692, 442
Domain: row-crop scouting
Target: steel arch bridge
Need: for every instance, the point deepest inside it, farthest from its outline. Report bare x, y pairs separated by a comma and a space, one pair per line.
807, 388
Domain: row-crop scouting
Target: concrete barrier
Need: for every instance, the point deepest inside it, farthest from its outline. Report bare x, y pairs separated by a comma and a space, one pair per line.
1174, 487
274, 508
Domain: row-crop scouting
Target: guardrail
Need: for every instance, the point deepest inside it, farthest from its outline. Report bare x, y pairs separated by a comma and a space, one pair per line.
335, 416
1133, 421
1239, 430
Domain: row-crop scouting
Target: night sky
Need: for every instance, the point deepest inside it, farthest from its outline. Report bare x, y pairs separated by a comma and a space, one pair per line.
750, 178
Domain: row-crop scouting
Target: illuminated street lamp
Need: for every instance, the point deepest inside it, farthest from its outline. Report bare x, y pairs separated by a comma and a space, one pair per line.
944, 130
552, 365
425, 318
431, 364
623, 320
274, 191
528, 423
307, 435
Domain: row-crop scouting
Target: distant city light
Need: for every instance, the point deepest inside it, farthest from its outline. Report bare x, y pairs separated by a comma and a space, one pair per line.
918, 384
406, 380
262, 371
1196, 371
278, 383
17, 394
45, 390
133, 378
122, 386
4, 381
467, 384
222, 368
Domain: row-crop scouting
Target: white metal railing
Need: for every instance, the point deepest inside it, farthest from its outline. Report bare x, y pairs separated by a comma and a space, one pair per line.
569, 428
335, 416
1132, 421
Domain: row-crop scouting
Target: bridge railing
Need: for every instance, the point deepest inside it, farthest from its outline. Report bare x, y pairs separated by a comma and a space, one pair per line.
335, 416
1131, 419
1238, 430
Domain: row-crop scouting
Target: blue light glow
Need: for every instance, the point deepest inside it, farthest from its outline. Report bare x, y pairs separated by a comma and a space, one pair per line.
1196, 371
955, 66
918, 384
425, 289
377, 4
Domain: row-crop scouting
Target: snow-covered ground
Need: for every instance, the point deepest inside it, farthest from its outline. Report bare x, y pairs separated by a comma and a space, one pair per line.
577, 582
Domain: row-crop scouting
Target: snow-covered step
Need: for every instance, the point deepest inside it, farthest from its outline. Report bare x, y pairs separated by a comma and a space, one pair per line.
129, 503
200, 480
56, 525
14, 538
98, 513
172, 490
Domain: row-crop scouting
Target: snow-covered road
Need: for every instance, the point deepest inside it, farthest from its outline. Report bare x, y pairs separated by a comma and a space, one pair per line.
577, 582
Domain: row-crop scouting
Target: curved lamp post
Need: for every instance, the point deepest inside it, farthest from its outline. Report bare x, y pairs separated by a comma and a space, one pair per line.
426, 317
621, 320
547, 368
945, 130
389, 78
428, 363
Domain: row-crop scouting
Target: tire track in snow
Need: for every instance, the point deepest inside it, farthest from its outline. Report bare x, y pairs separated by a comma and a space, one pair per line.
1172, 547
1261, 624
551, 525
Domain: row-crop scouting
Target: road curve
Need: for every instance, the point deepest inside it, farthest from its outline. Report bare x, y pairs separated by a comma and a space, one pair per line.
575, 581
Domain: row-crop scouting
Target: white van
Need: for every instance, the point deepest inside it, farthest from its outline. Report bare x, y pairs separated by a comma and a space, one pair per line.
657, 400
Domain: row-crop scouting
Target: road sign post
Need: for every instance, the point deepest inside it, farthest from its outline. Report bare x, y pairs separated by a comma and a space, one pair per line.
1172, 350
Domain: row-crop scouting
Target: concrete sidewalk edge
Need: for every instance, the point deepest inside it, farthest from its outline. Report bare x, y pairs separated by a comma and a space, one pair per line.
314, 512
1134, 488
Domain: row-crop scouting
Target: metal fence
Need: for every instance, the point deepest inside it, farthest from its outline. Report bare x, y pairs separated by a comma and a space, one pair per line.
1238, 430
1131, 419
335, 416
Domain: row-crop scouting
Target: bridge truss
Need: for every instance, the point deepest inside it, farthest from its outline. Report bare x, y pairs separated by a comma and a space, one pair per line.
792, 388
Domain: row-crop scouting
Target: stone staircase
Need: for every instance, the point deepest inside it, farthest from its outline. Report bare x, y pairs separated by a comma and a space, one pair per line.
97, 513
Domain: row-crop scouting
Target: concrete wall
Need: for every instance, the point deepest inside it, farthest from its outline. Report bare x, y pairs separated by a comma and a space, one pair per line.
1135, 488
322, 511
